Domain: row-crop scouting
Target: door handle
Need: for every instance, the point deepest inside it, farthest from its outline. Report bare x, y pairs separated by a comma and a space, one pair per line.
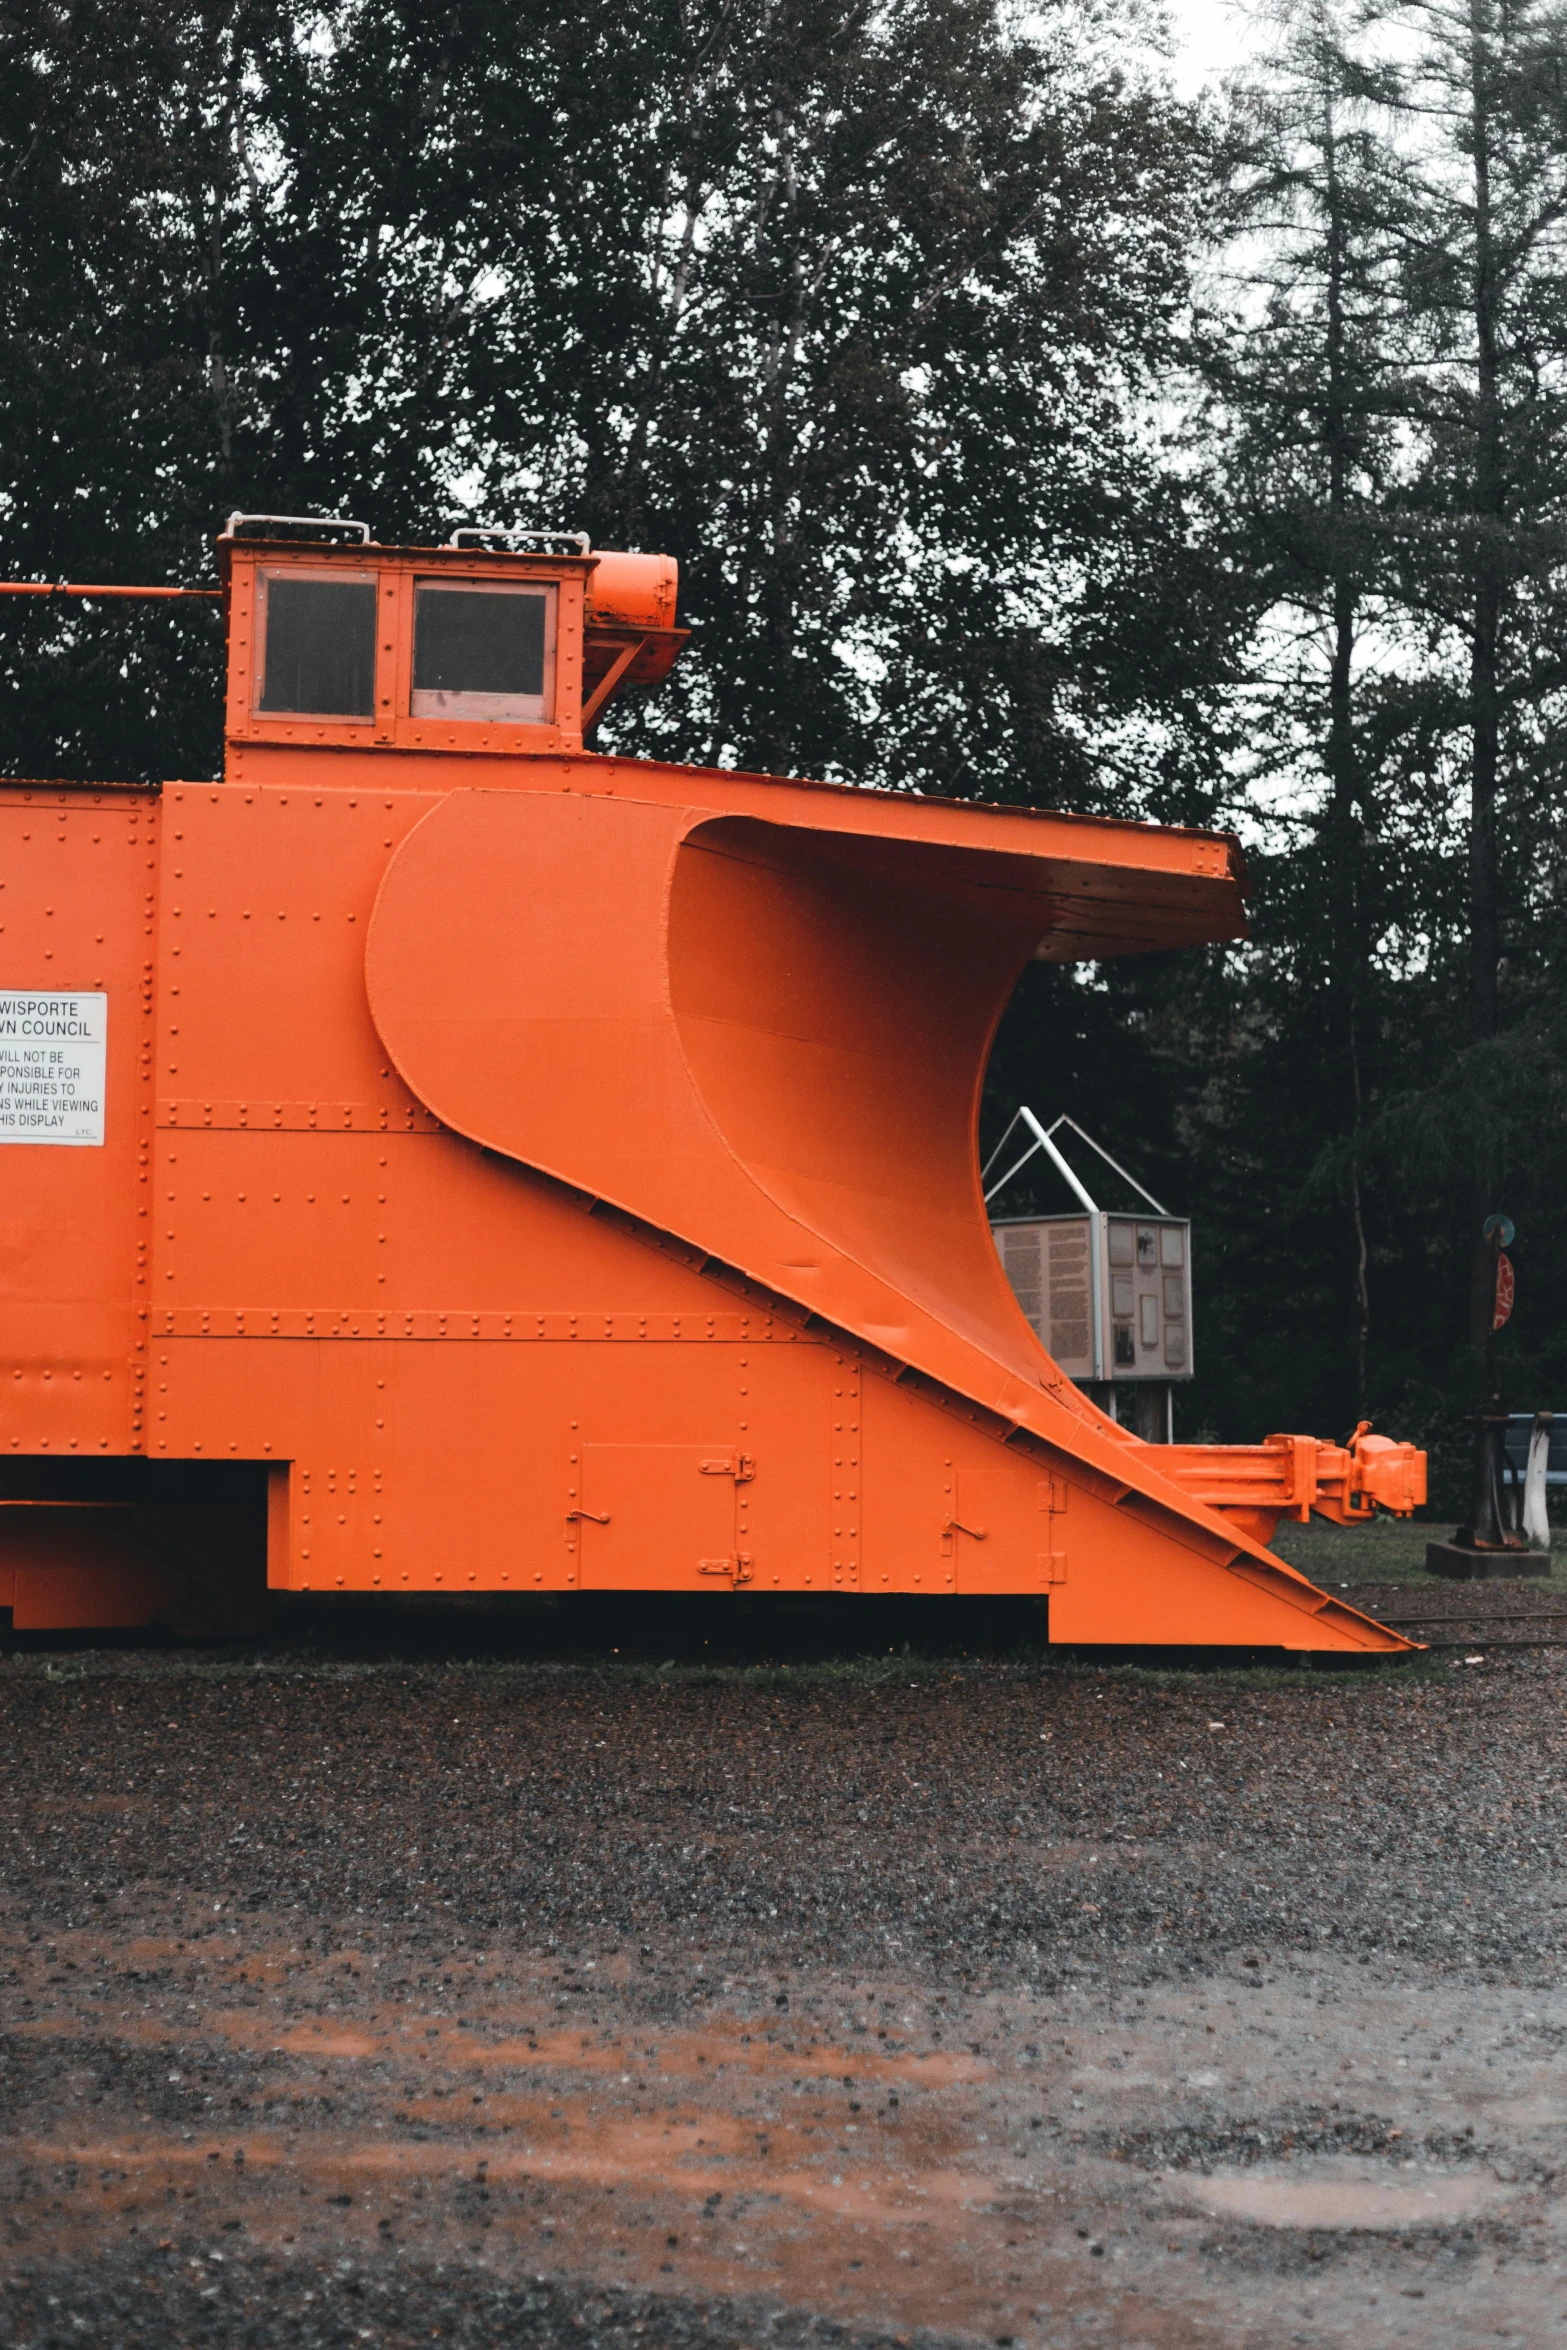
956, 1526
599, 1517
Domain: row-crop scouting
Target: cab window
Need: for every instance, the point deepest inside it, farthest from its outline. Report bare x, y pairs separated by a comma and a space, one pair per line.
318, 645
483, 650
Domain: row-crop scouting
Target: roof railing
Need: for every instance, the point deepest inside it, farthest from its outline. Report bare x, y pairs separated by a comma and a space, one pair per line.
549, 541
238, 524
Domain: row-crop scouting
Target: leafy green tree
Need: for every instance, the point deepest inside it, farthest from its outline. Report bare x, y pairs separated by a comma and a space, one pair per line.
860, 314
117, 158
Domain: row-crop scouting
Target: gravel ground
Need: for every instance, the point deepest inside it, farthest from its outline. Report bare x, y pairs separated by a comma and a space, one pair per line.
367, 1999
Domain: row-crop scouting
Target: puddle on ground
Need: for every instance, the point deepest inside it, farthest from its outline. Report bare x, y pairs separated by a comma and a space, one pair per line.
1342, 2193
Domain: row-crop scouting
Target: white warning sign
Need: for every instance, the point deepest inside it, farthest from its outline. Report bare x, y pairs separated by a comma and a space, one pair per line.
53, 1058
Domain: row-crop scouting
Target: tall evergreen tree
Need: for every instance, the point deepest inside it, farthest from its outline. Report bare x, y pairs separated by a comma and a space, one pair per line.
1388, 417
1484, 102
1301, 358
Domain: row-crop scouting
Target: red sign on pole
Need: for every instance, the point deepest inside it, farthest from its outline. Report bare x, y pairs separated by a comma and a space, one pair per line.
1504, 1289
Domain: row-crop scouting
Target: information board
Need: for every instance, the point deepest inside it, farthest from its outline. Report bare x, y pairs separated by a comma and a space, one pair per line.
53, 1061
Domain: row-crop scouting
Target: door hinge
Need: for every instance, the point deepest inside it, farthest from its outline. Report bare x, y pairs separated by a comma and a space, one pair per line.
1053, 1495
737, 1570
740, 1466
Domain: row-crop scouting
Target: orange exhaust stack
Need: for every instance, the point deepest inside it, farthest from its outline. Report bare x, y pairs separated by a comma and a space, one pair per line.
558, 1172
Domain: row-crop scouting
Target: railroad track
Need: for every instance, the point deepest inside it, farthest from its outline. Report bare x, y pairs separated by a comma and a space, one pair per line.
1472, 1619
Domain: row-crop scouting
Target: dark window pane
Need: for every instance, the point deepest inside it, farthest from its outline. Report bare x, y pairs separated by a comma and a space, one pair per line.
470, 642
320, 652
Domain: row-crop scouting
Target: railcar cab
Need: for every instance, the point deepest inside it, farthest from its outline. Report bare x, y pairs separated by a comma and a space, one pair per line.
493, 643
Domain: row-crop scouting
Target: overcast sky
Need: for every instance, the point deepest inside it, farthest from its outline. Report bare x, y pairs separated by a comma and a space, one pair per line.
1211, 36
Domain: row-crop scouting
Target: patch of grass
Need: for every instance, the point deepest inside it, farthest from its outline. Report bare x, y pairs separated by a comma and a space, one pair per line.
1330, 1671
859, 1672
900, 1671
1390, 1550
1214, 1670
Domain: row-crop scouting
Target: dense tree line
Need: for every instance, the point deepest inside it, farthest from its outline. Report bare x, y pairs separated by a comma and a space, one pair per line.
1021, 432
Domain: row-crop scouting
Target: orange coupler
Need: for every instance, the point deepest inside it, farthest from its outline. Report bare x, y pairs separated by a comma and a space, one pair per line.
526, 1170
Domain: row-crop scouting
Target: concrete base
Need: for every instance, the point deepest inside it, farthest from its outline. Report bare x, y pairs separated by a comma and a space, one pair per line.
1471, 1566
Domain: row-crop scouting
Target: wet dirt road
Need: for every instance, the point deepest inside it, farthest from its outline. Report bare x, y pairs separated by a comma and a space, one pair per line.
396, 2003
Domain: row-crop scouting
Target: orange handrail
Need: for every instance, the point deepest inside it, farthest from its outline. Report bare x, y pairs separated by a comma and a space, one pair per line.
65, 587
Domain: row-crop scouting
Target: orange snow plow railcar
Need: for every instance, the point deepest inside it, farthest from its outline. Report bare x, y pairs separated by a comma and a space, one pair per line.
516, 1169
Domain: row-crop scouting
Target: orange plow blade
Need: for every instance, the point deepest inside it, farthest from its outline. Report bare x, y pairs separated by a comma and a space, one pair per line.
765, 1034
